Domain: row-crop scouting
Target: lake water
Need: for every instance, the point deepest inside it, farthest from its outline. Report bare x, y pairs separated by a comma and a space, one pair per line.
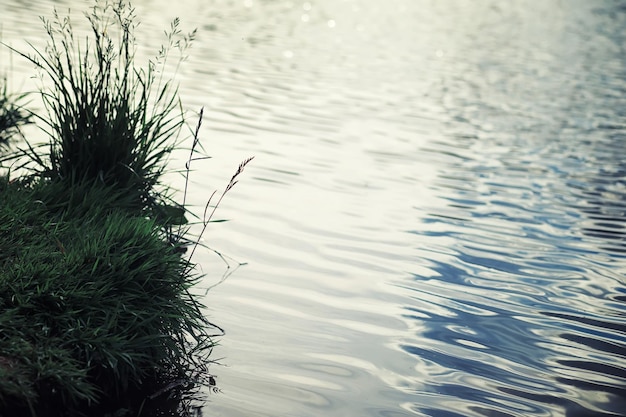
434, 223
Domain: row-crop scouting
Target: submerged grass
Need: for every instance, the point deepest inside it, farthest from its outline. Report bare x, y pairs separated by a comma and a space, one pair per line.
96, 314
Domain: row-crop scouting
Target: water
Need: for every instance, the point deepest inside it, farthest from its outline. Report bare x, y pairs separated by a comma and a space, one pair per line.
434, 222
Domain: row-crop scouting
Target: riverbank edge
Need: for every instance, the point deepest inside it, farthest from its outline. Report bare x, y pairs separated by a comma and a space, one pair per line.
96, 313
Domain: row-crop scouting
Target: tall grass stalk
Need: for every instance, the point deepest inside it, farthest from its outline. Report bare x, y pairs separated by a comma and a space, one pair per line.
209, 210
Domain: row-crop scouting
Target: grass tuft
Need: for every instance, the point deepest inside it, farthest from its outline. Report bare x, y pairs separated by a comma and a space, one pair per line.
108, 120
93, 302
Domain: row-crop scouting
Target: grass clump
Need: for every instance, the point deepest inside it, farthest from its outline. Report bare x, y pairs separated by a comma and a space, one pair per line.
93, 303
108, 120
96, 314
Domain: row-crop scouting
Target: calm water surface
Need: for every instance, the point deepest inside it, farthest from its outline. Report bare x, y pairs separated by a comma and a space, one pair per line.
434, 223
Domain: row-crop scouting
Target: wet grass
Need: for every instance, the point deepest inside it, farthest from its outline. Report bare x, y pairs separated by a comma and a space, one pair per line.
96, 314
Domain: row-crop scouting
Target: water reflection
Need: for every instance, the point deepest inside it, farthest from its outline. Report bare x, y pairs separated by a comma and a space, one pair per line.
529, 211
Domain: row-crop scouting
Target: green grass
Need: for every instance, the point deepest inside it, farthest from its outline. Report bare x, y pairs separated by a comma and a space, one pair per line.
96, 314
108, 120
93, 301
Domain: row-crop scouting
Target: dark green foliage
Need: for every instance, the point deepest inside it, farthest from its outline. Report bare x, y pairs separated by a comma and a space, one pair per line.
93, 301
108, 120
96, 317
12, 116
